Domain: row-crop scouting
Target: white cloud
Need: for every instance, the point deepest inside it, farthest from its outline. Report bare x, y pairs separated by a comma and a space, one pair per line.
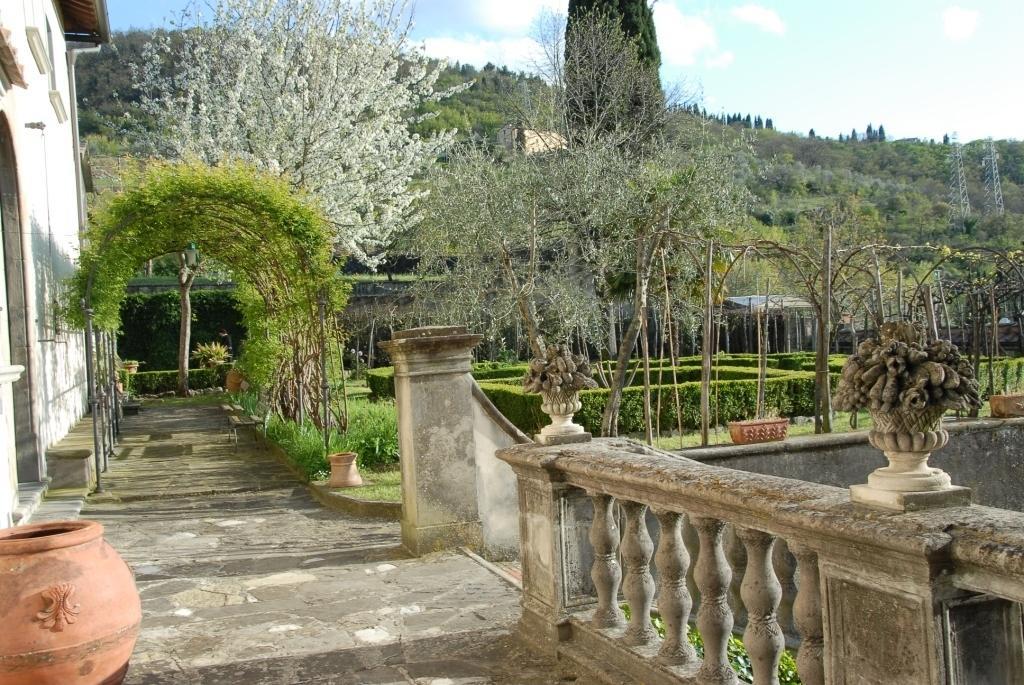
514, 53
761, 17
720, 61
507, 17
959, 24
682, 38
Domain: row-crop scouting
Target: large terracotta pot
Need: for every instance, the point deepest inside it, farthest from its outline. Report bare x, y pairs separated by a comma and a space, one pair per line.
344, 470
233, 381
70, 609
758, 430
1006, 406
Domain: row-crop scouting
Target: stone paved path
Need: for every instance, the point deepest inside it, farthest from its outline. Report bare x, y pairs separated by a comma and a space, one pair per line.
245, 579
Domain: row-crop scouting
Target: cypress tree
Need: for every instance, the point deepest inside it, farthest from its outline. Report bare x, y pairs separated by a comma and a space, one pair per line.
881, 133
635, 18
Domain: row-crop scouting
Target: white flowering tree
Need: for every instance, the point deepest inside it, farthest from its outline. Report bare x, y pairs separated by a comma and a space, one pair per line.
319, 92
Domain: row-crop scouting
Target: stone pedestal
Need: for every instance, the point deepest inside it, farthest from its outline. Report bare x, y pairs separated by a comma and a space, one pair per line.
72, 468
433, 393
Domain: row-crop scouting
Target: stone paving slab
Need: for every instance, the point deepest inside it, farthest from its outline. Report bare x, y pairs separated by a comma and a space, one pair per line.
258, 584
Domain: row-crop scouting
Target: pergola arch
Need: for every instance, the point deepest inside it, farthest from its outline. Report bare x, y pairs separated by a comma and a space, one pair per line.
277, 243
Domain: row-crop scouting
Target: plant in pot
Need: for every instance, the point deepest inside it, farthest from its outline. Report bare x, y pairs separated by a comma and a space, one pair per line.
211, 355
130, 366
763, 428
233, 380
559, 377
71, 609
907, 385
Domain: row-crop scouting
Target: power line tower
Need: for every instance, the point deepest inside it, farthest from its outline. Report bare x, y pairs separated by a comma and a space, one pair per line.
993, 188
959, 202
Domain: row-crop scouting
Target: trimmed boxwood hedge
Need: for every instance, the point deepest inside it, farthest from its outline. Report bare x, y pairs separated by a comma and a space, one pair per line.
156, 382
790, 394
381, 382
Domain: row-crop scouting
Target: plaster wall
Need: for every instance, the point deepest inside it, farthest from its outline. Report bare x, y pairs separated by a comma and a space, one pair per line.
983, 454
497, 494
47, 203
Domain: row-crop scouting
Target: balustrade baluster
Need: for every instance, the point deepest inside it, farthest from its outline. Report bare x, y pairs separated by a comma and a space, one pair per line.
785, 571
807, 616
692, 543
606, 572
674, 603
638, 584
761, 595
737, 556
714, 618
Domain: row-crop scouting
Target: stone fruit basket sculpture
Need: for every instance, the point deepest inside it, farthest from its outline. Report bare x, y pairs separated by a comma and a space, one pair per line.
559, 377
906, 386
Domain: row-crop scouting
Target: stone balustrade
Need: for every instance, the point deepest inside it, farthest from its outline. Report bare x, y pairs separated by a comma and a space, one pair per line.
863, 596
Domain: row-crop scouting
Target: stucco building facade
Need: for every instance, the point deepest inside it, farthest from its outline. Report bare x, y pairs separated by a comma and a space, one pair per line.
43, 389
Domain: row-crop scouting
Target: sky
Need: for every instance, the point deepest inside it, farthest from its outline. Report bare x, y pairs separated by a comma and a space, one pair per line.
921, 68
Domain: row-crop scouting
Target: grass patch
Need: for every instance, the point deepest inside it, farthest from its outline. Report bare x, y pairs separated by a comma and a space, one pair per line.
379, 486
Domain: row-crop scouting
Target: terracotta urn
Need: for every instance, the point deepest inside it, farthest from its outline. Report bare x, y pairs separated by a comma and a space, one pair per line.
233, 380
130, 367
344, 470
758, 430
70, 609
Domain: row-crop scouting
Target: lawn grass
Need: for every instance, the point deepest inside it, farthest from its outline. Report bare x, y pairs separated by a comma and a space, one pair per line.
380, 486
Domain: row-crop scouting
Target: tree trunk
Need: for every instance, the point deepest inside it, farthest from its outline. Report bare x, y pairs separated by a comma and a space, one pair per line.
823, 413
186, 277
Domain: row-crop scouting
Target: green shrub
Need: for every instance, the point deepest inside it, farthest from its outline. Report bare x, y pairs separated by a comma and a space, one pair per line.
303, 444
381, 382
156, 382
372, 434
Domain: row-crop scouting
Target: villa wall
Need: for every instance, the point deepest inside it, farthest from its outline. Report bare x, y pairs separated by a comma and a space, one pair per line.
983, 454
46, 202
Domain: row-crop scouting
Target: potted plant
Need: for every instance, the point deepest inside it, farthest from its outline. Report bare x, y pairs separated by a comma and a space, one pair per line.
559, 377
211, 355
906, 386
762, 428
71, 609
130, 366
1007, 406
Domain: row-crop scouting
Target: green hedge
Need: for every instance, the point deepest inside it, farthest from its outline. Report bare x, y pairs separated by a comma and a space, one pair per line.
790, 394
150, 323
156, 382
381, 382
1009, 376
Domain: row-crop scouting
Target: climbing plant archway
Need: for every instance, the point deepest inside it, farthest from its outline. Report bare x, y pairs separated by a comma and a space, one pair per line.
277, 245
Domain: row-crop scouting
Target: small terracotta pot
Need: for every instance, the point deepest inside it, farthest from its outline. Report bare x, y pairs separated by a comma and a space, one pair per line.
130, 368
70, 609
758, 430
233, 380
344, 470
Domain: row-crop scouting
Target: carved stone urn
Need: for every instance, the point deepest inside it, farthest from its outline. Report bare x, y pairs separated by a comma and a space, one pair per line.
907, 437
560, 405
71, 612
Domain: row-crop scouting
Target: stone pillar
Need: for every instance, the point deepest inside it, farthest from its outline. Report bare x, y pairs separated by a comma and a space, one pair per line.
8, 459
433, 394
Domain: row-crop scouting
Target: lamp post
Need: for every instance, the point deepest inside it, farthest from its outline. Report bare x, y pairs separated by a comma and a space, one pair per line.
325, 385
191, 256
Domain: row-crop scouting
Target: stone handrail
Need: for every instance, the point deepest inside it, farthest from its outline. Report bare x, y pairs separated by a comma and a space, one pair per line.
873, 597
494, 414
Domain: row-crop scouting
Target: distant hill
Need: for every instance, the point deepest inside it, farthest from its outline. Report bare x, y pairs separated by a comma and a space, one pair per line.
906, 181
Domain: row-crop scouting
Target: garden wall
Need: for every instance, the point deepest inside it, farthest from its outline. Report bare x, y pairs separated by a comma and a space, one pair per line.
983, 454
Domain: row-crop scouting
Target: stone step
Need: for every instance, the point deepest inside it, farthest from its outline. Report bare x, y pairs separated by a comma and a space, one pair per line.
60, 506
30, 495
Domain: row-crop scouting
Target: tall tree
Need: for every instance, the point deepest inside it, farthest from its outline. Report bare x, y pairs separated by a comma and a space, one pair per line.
635, 18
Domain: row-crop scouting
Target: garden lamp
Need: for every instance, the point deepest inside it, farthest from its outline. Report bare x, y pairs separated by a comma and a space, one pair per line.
191, 256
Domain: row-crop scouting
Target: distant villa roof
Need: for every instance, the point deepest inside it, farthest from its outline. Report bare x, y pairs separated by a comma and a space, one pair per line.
758, 302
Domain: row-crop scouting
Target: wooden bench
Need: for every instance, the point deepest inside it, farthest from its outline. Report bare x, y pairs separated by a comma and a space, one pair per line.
237, 422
